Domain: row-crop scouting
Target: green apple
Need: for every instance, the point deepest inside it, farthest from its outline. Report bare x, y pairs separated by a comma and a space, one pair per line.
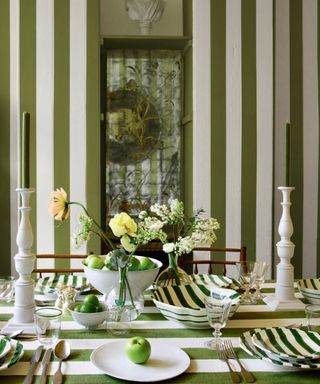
96, 262
138, 349
135, 264
105, 268
88, 258
77, 308
88, 308
146, 263
92, 299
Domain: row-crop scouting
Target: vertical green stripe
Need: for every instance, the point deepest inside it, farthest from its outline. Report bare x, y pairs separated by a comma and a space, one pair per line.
218, 116
61, 117
249, 123
318, 240
187, 135
273, 263
296, 118
28, 90
93, 116
5, 249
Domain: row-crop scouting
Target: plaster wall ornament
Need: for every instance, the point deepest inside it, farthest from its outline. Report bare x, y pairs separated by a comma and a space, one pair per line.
145, 12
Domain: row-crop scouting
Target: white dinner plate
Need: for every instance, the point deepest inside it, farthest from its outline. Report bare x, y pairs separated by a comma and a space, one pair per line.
166, 361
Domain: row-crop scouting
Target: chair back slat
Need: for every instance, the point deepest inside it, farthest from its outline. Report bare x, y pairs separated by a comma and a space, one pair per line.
224, 263
56, 271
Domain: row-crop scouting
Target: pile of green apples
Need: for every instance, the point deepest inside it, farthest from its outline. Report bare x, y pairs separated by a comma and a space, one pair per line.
136, 264
90, 304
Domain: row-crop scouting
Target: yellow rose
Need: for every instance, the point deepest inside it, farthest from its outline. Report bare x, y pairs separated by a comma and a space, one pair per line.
126, 243
122, 224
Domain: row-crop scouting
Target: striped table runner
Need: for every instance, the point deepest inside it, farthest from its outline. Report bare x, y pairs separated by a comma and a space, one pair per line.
205, 366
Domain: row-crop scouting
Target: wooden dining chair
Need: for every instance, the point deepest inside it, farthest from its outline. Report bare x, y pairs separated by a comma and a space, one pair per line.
185, 262
69, 257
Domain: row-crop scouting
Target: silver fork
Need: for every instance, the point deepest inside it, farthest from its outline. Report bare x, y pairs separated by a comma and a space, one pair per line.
223, 356
231, 354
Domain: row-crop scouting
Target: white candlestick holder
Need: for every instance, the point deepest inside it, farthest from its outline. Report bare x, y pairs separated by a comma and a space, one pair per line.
284, 297
23, 314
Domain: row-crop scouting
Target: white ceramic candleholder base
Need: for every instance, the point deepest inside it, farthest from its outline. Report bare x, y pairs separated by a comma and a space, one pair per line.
284, 298
23, 313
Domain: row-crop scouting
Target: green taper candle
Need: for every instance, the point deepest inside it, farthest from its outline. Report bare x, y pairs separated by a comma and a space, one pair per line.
25, 151
287, 156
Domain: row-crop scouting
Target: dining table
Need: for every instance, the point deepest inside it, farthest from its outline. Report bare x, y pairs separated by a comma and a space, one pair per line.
205, 365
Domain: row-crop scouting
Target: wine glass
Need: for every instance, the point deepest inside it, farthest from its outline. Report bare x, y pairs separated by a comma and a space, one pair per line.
218, 309
259, 269
247, 279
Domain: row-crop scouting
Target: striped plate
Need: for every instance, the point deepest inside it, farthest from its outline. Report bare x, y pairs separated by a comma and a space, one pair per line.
310, 290
247, 345
185, 303
288, 342
5, 346
47, 285
218, 280
14, 355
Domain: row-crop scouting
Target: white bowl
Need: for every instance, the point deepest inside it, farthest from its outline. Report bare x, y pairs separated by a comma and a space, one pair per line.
310, 290
89, 320
185, 303
104, 281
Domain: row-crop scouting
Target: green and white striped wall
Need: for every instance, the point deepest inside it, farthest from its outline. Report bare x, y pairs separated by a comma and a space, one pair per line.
50, 58
255, 65
262, 71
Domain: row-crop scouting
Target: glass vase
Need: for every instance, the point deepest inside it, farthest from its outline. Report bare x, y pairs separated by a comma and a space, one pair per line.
125, 295
173, 274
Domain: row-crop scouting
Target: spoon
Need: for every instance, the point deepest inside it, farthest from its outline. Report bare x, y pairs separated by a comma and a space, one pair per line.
61, 351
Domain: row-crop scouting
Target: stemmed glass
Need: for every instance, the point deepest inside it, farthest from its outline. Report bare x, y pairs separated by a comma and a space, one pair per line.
218, 309
247, 279
259, 269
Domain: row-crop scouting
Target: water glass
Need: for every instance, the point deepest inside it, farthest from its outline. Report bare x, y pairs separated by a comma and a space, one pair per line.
119, 320
259, 270
313, 317
217, 312
246, 277
48, 324
6, 288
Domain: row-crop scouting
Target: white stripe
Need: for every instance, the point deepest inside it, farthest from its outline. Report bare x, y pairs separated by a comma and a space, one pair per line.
233, 125
282, 103
201, 109
45, 126
78, 75
196, 366
14, 122
310, 138
264, 47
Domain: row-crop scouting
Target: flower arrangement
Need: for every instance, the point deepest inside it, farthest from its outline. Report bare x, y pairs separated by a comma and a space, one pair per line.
188, 233
131, 235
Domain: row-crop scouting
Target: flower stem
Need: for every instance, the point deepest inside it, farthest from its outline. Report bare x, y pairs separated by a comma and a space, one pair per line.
102, 232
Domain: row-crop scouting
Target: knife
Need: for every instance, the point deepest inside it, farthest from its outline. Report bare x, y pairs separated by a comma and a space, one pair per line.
35, 358
45, 361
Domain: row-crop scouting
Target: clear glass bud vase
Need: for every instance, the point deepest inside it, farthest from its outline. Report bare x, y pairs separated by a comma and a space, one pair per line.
125, 295
173, 274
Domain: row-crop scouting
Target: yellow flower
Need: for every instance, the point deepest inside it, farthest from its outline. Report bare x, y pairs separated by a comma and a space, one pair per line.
122, 224
126, 243
58, 205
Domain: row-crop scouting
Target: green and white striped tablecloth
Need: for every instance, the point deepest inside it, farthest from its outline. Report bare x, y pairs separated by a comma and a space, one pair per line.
205, 366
